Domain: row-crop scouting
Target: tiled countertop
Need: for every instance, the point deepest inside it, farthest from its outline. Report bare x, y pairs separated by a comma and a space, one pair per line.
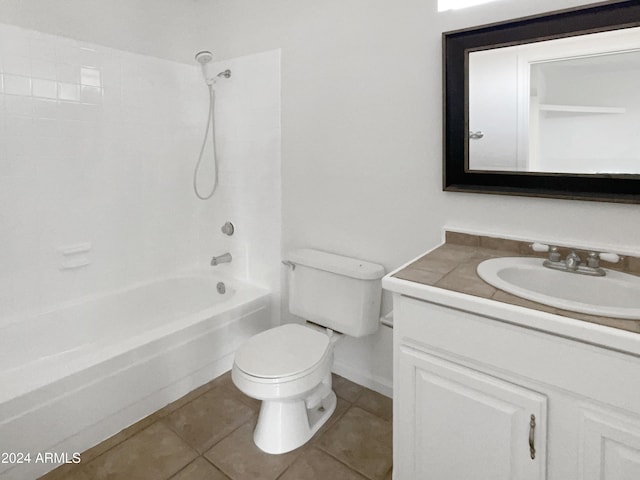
452, 266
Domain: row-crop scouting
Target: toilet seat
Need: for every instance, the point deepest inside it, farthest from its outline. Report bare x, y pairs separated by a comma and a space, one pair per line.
283, 354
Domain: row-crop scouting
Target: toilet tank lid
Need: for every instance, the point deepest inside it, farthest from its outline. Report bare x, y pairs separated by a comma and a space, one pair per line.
338, 264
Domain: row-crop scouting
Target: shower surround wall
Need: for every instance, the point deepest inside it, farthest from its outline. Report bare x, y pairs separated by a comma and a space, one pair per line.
249, 194
97, 148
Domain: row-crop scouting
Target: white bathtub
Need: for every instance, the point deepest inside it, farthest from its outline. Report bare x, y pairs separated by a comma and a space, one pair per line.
74, 376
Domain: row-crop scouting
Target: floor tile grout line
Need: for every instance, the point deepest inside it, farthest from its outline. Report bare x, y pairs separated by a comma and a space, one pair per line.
124, 439
223, 438
309, 444
161, 417
182, 469
300, 454
329, 454
375, 414
244, 399
179, 470
168, 425
353, 469
319, 447
208, 447
314, 439
164, 418
217, 467
200, 456
84, 466
170, 412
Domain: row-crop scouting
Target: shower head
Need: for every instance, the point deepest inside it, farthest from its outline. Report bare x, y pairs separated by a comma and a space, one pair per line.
204, 57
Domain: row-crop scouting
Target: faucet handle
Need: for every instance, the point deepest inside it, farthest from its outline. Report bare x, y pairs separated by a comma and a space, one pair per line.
554, 254
593, 260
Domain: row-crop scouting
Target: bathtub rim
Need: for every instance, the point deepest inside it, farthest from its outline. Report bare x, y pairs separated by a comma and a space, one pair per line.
21, 382
16, 317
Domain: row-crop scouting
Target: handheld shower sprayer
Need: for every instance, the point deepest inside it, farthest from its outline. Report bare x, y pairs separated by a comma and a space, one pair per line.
204, 59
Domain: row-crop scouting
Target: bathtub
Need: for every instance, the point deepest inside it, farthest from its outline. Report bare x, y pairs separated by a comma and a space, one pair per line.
73, 376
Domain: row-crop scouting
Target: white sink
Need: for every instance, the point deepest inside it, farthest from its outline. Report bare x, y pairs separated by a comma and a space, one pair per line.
614, 295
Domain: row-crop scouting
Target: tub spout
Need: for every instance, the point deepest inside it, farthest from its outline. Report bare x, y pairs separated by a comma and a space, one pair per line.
224, 258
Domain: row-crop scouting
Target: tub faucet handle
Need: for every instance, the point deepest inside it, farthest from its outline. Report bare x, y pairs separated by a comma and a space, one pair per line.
228, 229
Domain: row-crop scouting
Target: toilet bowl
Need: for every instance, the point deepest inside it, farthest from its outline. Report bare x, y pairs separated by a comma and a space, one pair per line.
289, 369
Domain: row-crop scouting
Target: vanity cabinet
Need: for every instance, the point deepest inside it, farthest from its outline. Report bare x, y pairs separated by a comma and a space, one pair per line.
467, 424
476, 394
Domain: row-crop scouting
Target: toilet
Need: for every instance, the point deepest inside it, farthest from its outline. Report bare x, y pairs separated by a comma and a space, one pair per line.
289, 367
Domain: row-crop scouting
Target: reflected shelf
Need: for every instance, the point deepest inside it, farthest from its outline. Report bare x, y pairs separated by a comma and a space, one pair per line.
547, 107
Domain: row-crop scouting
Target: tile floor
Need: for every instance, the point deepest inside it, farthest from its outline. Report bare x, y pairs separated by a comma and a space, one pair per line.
208, 435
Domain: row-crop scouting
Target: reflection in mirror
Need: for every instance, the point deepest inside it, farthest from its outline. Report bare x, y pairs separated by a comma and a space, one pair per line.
569, 105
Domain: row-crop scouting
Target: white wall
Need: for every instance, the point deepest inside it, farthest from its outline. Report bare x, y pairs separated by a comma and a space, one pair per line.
361, 122
97, 148
161, 28
361, 130
248, 136
609, 225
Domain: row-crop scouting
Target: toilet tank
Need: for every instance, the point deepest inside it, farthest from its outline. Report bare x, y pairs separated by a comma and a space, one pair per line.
337, 292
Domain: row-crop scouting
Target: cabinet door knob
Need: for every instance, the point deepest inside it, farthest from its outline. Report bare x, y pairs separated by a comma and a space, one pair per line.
532, 429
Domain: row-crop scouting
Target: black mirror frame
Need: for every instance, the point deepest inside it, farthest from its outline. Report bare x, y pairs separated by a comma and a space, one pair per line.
456, 46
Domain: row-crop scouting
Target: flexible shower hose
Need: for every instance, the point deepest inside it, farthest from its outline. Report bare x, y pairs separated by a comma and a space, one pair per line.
211, 124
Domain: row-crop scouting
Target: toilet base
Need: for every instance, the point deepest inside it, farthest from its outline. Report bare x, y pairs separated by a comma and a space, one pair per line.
286, 425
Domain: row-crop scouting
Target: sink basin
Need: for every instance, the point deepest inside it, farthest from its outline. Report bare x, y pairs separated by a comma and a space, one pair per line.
614, 295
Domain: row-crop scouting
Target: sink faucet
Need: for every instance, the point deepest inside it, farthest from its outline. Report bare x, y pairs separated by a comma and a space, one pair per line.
224, 258
572, 261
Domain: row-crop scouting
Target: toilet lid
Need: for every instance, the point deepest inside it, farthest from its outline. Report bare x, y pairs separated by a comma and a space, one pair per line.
282, 351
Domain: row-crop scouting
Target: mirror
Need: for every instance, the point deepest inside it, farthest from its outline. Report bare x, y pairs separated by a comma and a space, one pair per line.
546, 105
568, 105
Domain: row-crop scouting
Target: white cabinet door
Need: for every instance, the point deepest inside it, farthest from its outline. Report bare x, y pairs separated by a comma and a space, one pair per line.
610, 447
456, 423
